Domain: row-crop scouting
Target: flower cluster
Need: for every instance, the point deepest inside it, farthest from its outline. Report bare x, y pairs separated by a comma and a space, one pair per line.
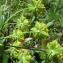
40, 30
54, 49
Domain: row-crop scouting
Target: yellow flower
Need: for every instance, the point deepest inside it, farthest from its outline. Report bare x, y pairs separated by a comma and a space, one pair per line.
20, 44
58, 45
20, 51
20, 35
28, 53
45, 27
59, 55
42, 5
50, 43
24, 18
19, 31
28, 62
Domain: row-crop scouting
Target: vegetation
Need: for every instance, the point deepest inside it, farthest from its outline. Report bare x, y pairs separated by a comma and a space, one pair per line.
31, 31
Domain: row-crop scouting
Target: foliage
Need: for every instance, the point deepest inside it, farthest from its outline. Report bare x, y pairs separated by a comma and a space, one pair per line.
31, 31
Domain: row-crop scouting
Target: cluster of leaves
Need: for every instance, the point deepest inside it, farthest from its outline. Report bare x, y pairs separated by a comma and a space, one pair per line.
23, 31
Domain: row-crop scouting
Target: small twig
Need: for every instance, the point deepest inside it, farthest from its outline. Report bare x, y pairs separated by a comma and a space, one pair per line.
28, 48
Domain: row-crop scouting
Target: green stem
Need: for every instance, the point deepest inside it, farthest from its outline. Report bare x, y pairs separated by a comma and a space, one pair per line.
32, 32
23, 32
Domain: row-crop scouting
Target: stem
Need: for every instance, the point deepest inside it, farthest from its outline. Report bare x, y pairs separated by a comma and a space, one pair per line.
23, 32
32, 32
27, 48
6, 2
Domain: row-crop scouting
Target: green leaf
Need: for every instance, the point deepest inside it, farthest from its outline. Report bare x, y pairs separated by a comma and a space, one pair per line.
44, 33
50, 23
16, 43
5, 58
1, 10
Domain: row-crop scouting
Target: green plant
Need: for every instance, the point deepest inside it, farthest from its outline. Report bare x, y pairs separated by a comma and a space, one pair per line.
30, 28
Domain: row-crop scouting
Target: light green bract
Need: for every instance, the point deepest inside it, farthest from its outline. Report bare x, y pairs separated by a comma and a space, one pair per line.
22, 23
40, 30
24, 57
54, 49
